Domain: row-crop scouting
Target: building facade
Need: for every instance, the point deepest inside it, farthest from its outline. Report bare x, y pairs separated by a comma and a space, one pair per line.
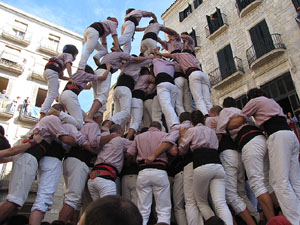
26, 44
243, 44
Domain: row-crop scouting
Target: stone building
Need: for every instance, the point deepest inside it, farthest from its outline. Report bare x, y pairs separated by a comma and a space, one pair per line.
26, 44
243, 44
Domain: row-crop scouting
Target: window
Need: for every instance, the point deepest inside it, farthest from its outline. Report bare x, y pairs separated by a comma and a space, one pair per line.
19, 29
183, 14
215, 21
41, 95
197, 3
54, 41
226, 62
11, 54
193, 35
296, 3
241, 101
261, 39
3, 84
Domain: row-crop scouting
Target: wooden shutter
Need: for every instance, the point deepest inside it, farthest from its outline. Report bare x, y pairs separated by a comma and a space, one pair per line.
226, 62
296, 3
193, 35
181, 16
219, 17
196, 4
210, 26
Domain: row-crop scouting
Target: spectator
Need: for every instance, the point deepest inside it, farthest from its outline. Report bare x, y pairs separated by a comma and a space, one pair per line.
13, 105
298, 15
293, 123
4, 144
111, 210
3, 94
25, 106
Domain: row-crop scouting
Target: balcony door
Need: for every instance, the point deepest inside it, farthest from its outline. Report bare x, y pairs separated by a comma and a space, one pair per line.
226, 62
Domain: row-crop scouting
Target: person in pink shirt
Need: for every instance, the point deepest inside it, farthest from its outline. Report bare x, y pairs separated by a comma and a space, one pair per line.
152, 179
209, 174
92, 34
108, 165
54, 70
188, 43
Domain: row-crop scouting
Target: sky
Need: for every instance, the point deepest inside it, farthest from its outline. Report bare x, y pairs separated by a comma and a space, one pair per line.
77, 15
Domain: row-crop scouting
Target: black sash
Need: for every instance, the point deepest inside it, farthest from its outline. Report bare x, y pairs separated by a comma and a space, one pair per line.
52, 65
99, 27
81, 154
275, 124
179, 74
151, 35
125, 80
105, 171
151, 96
163, 77
56, 150
176, 51
103, 66
138, 94
190, 70
246, 134
133, 19
203, 156
157, 164
175, 166
74, 88
188, 158
226, 143
39, 150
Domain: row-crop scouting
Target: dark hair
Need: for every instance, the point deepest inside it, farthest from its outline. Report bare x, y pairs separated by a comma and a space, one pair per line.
58, 107
144, 129
58, 222
185, 33
197, 117
115, 128
45, 223
216, 109
2, 131
155, 124
254, 93
70, 49
184, 116
89, 69
18, 220
112, 210
129, 10
229, 102
214, 220
144, 70
152, 21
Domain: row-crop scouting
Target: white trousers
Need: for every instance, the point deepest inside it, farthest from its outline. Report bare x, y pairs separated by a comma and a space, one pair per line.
76, 174
122, 99
156, 113
101, 88
191, 209
178, 199
136, 113
147, 45
154, 181
51, 77
199, 85
211, 178
283, 149
167, 94
70, 101
184, 97
128, 29
21, 178
91, 37
147, 112
100, 187
255, 159
129, 187
49, 172
235, 182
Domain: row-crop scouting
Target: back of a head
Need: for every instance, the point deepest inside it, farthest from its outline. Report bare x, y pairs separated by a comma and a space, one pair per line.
151, 21
215, 109
144, 70
112, 210
57, 222
214, 220
58, 107
116, 128
254, 93
89, 69
197, 117
71, 49
129, 10
184, 116
144, 129
229, 102
2, 131
186, 33
156, 125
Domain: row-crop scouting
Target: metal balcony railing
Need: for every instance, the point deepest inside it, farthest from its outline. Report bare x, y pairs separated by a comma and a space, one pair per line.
215, 25
49, 47
11, 62
219, 74
7, 106
263, 47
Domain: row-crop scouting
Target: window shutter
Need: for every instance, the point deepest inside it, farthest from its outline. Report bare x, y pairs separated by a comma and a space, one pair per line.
190, 8
296, 3
219, 17
209, 24
230, 60
196, 4
193, 35
181, 16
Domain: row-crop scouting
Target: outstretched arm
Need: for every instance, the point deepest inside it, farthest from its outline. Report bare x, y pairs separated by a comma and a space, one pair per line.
235, 123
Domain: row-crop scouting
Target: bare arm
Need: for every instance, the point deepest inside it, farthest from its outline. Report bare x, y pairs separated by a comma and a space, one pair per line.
107, 138
167, 55
105, 74
140, 29
235, 123
68, 140
116, 41
14, 150
141, 58
88, 87
154, 17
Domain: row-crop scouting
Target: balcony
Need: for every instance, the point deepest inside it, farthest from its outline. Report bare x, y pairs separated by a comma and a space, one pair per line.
246, 6
29, 114
49, 47
7, 108
11, 62
216, 27
220, 78
38, 71
16, 34
265, 51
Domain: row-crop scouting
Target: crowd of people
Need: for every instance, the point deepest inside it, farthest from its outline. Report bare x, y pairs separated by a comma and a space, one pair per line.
239, 165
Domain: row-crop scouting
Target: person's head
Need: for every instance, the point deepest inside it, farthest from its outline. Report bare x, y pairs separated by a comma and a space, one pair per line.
89, 69
289, 114
229, 102
144, 70
156, 124
59, 107
129, 10
184, 35
71, 49
215, 110
98, 117
254, 93
114, 19
151, 21
57, 222
3, 91
45, 223
111, 210
116, 128
184, 116
18, 219
197, 117
2, 131
214, 220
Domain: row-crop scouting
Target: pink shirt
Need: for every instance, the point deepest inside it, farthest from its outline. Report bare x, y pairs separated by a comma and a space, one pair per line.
186, 60
115, 59
113, 152
138, 14
76, 134
262, 109
48, 128
163, 66
93, 133
146, 143
210, 120
110, 27
143, 83
174, 43
63, 59
133, 68
154, 28
82, 78
197, 137
188, 43
225, 116
174, 134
